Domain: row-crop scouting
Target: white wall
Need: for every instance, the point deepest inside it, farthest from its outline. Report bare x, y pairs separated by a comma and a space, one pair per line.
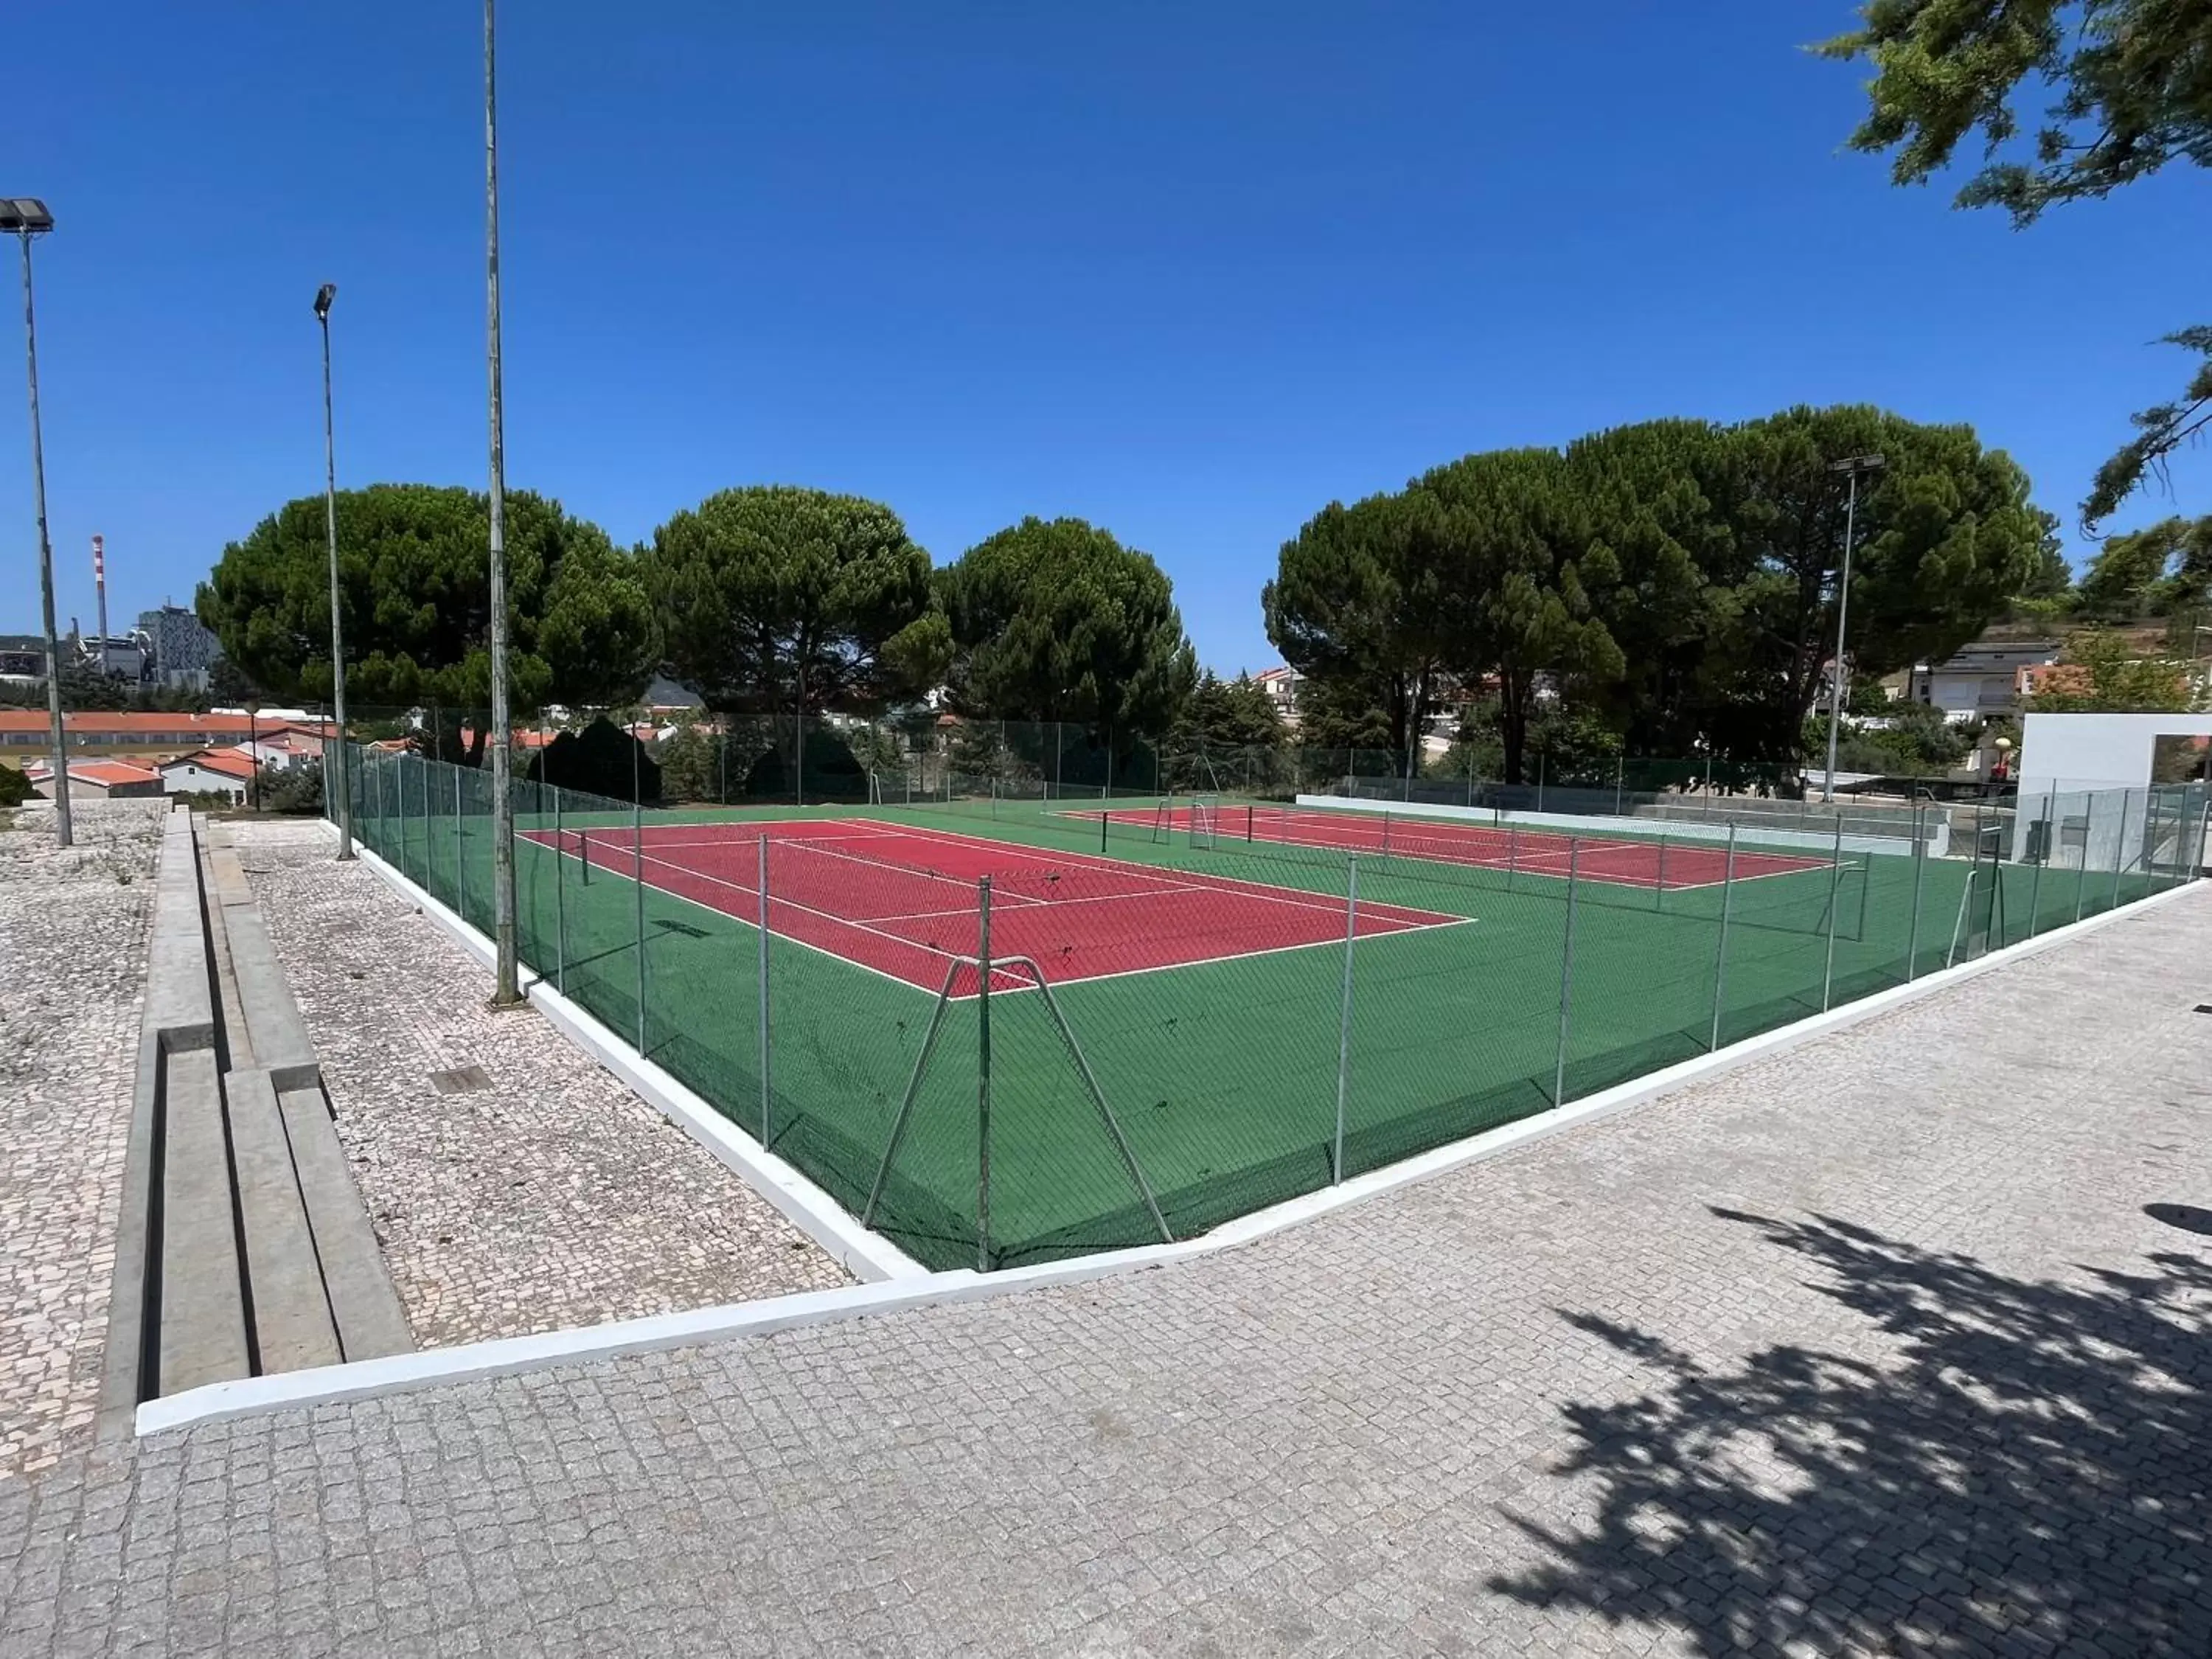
2075, 752
190, 780
2084, 760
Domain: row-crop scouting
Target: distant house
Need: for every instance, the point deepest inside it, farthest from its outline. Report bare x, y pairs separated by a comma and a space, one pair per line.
1281, 685
1982, 678
209, 772
131, 732
98, 780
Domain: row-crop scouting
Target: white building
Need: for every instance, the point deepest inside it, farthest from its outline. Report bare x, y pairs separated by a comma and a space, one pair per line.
210, 772
1980, 679
1281, 685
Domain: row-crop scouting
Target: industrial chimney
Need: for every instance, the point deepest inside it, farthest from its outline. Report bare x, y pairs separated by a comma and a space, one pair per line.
100, 586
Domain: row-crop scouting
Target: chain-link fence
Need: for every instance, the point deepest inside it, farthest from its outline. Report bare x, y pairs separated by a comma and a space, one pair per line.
1021, 1023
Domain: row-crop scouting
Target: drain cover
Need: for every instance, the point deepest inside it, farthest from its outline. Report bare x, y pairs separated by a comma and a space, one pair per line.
464, 1079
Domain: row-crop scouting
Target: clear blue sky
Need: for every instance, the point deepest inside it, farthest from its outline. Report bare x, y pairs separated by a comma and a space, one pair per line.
1186, 269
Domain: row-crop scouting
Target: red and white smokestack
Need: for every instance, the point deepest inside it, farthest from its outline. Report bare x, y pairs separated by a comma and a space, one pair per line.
99, 581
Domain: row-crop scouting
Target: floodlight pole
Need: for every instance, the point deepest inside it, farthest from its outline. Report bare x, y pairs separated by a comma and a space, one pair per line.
506, 990
24, 217
341, 796
1854, 465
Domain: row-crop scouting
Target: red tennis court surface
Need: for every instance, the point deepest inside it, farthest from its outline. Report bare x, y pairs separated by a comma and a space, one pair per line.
902, 902
1665, 865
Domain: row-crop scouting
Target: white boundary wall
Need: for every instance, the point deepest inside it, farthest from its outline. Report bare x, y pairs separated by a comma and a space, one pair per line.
431, 1367
2072, 768
2075, 753
1646, 828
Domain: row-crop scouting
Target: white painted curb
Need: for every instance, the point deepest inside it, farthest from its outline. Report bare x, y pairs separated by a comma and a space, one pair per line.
369, 1378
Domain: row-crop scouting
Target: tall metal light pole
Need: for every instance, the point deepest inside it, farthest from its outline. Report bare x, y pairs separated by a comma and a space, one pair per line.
342, 792
28, 218
1854, 465
507, 989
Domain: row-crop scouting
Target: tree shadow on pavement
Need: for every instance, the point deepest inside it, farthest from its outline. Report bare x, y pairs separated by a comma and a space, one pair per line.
2026, 1470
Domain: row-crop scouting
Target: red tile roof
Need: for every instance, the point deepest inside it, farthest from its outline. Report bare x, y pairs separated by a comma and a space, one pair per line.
229, 761
104, 772
18, 724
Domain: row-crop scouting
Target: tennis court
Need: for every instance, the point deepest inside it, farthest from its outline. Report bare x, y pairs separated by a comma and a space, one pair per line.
1264, 1002
905, 902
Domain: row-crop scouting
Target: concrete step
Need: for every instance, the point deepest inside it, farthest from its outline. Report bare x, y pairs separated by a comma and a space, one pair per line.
363, 1301
292, 1323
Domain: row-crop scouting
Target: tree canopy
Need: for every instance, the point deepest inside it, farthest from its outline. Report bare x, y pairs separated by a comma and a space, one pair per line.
2129, 93
414, 579
2108, 676
1678, 579
2159, 571
1227, 714
779, 600
1355, 604
1056, 620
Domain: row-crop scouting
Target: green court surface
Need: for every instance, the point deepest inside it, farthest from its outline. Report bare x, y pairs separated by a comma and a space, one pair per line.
1224, 1075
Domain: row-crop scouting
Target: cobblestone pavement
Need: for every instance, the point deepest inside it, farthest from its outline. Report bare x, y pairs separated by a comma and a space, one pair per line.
1872, 1347
73, 931
552, 1198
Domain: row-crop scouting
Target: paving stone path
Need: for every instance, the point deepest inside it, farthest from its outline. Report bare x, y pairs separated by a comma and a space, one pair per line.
1874, 1348
549, 1197
73, 930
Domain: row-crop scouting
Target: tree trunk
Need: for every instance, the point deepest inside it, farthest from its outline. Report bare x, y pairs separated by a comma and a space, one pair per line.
1513, 722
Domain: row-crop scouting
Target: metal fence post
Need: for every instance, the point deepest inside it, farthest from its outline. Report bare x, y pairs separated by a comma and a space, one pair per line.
637, 879
1567, 971
1835, 876
2120, 848
1617, 770
764, 1049
1659, 893
2042, 857
1344, 1011
1540, 789
560, 903
983, 1075
1919, 871
1512, 853
460, 863
2081, 869
1720, 956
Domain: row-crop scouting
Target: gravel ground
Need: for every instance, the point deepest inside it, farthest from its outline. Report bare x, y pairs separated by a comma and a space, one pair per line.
73, 929
552, 1198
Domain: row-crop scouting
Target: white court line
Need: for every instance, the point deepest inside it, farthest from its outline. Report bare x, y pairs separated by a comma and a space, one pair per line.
747, 923
1194, 882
